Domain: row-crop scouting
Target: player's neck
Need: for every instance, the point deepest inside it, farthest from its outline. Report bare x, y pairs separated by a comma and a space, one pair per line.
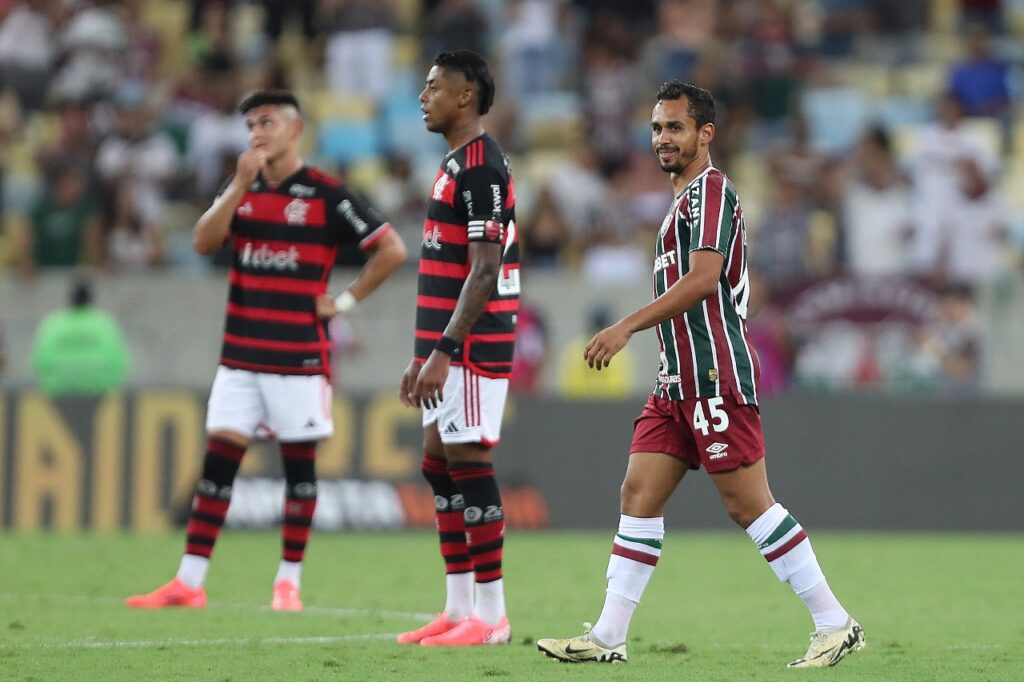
684, 177
462, 133
281, 169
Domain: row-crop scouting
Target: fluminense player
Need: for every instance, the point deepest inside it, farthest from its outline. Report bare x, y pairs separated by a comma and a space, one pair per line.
285, 222
703, 410
466, 308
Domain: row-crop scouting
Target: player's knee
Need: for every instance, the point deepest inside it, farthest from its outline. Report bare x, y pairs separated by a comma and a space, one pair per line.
634, 499
739, 509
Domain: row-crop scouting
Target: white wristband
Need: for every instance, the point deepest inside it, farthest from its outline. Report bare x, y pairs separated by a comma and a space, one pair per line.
345, 301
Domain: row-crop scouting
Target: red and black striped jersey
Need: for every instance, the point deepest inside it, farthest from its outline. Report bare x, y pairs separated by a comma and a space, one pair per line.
473, 201
284, 240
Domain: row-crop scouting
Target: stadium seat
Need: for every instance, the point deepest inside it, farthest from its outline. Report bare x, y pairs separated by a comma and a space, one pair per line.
922, 80
551, 120
403, 130
870, 79
836, 116
324, 105
896, 111
346, 141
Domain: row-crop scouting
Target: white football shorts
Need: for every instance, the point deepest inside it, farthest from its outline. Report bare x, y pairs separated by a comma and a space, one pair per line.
471, 410
288, 408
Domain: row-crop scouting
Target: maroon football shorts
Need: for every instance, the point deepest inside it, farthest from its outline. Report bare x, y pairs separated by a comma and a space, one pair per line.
720, 433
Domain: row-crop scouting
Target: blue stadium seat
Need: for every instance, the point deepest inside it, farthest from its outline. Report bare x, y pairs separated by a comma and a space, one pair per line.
837, 117
403, 129
348, 140
898, 111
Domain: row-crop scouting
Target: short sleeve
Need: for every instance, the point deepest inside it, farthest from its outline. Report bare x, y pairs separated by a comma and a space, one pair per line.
484, 193
224, 186
712, 204
220, 190
354, 220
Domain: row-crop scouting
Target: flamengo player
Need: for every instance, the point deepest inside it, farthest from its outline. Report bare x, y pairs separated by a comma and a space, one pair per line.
465, 333
703, 410
285, 222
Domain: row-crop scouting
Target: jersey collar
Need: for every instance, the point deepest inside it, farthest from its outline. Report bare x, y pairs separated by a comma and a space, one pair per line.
695, 180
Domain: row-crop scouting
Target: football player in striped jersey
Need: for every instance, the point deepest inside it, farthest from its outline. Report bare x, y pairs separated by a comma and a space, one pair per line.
703, 408
284, 222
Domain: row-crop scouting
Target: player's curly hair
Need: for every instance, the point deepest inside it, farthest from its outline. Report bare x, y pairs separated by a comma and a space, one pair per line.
474, 68
701, 103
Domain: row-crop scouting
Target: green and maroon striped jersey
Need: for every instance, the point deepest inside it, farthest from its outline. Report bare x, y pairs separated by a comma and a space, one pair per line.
705, 351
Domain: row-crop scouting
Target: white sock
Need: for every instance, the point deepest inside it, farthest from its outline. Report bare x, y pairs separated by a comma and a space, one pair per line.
192, 570
828, 614
490, 601
290, 571
635, 552
459, 601
784, 544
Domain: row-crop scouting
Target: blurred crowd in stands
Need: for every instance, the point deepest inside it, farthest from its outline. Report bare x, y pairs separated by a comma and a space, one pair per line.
871, 141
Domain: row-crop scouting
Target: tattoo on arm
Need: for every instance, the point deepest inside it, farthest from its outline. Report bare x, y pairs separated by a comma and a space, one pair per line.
485, 264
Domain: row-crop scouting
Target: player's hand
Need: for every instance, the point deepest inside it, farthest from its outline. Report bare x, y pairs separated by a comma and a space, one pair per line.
325, 308
405, 389
250, 163
605, 344
429, 388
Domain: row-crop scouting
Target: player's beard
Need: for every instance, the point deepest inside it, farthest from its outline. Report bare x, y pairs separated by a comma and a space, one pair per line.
684, 156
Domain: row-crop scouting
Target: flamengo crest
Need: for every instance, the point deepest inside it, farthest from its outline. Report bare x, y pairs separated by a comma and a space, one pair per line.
295, 212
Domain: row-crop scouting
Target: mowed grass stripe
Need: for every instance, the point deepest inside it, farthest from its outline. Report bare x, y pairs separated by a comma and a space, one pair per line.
224, 641
312, 610
934, 607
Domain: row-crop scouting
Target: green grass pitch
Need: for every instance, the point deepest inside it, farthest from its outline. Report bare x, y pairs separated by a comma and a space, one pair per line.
934, 607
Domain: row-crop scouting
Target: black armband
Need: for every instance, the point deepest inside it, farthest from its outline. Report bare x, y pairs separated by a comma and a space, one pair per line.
448, 346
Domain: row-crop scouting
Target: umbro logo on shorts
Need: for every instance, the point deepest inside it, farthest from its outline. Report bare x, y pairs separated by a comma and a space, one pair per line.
717, 450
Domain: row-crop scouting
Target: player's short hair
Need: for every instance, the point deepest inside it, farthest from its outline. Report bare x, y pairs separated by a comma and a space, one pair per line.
701, 103
475, 70
277, 98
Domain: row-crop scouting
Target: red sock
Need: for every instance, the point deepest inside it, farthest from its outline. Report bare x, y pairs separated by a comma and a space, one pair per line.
448, 507
300, 498
485, 518
213, 496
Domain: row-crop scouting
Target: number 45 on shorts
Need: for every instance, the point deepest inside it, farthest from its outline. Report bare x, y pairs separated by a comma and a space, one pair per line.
719, 419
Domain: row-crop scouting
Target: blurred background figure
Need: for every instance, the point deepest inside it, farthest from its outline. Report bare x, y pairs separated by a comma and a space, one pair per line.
359, 50
531, 353
64, 225
981, 82
133, 239
977, 242
80, 350
28, 52
935, 170
876, 209
577, 381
